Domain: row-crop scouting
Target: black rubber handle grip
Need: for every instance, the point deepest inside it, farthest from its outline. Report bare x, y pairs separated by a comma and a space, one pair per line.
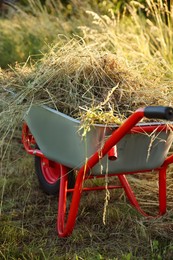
159, 112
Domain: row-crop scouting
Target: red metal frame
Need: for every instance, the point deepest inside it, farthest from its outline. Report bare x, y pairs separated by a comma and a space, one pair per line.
66, 226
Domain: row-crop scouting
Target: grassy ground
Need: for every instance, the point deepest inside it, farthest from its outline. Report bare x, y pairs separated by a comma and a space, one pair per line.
27, 215
28, 219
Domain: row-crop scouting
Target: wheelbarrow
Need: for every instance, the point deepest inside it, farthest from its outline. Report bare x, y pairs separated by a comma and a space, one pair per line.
55, 140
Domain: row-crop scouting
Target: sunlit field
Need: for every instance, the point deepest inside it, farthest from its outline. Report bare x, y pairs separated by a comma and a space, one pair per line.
97, 62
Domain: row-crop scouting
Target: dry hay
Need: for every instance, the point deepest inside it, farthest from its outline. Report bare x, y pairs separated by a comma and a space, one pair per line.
78, 78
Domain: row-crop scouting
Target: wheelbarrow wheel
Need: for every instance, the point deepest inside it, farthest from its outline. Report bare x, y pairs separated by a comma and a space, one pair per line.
48, 173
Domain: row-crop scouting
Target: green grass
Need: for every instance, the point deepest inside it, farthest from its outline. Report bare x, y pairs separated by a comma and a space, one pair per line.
28, 218
30, 33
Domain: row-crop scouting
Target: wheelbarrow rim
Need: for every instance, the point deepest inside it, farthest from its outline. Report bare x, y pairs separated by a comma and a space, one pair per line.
50, 170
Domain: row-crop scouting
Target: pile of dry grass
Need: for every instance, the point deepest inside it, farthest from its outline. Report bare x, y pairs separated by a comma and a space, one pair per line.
77, 78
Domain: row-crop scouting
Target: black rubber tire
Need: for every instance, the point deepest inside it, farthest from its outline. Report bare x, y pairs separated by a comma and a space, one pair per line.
53, 187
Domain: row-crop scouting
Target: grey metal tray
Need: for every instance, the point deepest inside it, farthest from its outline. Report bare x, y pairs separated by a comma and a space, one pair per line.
60, 139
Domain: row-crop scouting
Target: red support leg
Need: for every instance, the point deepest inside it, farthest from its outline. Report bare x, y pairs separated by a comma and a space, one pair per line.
162, 193
65, 228
62, 199
130, 194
